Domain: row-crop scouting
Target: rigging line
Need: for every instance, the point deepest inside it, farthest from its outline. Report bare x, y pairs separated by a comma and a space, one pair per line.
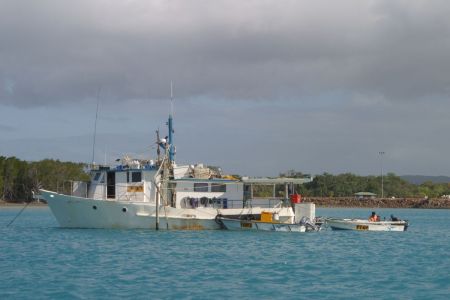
166, 195
165, 215
95, 125
159, 188
18, 214
165, 204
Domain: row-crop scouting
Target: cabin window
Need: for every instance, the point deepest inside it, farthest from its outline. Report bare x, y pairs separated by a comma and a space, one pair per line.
97, 176
128, 176
218, 187
200, 187
136, 177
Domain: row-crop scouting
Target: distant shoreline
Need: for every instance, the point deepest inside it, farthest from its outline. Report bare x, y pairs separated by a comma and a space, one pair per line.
351, 202
323, 202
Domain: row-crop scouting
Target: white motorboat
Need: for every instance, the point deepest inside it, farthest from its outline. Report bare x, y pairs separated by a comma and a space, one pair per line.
242, 224
160, 194
236, 224
365, 225
270, 221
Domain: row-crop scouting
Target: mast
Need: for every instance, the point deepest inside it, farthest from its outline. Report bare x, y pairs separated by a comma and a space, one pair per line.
170, 124
158, 151
95, 126
170, 152
166, 166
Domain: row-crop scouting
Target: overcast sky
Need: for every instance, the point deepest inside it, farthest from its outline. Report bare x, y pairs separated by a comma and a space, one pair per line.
260, 87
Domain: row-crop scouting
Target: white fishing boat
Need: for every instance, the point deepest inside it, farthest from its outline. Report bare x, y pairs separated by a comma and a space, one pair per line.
365, 225
160, 194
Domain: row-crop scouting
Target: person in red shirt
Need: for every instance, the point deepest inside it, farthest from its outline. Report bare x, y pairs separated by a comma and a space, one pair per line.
374, 217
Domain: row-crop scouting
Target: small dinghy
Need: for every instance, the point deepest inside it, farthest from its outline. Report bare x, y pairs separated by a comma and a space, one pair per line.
305, 225
268, 221
364, 225
235, 224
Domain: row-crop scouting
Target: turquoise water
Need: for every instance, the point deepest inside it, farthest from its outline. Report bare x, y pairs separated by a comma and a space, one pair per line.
39, 260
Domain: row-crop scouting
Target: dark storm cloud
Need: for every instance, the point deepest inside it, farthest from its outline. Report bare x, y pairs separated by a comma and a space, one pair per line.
58, 51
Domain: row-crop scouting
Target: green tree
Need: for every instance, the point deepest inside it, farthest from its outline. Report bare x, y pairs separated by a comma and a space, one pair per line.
19, 178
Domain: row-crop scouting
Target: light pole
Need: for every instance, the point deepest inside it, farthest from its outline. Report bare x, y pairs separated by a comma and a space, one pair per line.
381, 153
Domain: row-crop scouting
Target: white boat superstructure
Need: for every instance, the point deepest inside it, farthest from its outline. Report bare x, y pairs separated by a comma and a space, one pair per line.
159, 194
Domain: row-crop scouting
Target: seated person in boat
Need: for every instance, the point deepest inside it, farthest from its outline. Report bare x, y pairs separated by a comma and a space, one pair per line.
374, 217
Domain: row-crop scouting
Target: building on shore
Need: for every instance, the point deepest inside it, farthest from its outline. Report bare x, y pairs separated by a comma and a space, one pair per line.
365, 195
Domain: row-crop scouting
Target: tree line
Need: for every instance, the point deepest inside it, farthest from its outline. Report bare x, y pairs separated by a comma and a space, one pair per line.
18, 178
346, 185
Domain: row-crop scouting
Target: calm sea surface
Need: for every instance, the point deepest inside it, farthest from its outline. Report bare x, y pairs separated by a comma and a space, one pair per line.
39, 260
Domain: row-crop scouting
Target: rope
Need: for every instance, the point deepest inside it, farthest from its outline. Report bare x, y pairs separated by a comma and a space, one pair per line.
18, 214
165, 216
158, 188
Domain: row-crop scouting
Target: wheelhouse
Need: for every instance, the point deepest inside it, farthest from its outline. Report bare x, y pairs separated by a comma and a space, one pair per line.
123, 183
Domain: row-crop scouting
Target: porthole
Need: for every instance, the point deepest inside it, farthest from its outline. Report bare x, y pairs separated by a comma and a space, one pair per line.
124, 209
94, 207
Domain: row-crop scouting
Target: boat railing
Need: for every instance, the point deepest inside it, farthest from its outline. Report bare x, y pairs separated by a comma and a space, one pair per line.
265, 202
132, 192
81, 189
73, 188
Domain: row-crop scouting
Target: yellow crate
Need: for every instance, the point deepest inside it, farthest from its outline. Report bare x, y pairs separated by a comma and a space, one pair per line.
266, 216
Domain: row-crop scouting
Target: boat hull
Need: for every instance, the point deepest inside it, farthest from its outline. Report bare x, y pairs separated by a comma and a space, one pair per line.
79, 212
76, 212
231, 224
364, 225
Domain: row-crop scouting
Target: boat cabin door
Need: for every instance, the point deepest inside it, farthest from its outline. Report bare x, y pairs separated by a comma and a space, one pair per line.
111, 185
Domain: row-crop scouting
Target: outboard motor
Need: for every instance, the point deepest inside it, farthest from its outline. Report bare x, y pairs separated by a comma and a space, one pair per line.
394, 218
310, 226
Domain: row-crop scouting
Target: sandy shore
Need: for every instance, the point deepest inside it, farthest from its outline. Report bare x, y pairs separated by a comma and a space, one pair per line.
18, 204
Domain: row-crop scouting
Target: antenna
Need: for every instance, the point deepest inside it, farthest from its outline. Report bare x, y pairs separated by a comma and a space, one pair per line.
171, 97
95, 125
104, 162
